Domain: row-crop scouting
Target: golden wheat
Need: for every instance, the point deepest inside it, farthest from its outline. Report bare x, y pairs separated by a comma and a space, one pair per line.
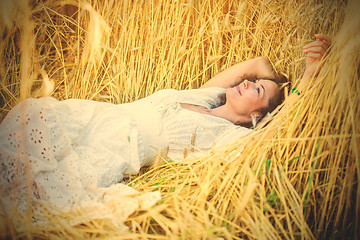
296, 177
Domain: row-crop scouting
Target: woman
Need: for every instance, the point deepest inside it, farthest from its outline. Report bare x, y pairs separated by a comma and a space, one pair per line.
64, 151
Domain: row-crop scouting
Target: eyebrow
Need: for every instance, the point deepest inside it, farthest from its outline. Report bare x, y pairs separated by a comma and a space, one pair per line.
263, 89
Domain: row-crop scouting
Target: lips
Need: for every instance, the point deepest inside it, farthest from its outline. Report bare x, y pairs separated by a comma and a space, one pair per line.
238, 89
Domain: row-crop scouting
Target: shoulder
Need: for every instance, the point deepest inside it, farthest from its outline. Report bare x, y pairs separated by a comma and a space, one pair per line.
233, 134
207, 90
160, 96
209, 97
204, 93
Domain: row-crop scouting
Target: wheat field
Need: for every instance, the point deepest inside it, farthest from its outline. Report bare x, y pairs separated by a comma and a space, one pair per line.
295, 177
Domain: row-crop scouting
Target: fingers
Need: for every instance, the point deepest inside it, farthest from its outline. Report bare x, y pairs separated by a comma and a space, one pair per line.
317, 44
315, 49
314, 55
322, 37
318, 47
321, 40
320, 50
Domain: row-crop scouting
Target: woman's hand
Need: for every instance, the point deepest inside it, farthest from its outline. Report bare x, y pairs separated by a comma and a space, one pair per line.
314, 53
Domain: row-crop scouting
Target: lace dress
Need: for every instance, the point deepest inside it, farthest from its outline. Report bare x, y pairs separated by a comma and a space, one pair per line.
72, 151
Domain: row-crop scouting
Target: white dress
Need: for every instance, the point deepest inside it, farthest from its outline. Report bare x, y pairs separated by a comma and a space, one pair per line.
72, 147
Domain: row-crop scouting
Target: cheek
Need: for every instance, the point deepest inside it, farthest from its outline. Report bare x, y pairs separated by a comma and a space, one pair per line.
251, 97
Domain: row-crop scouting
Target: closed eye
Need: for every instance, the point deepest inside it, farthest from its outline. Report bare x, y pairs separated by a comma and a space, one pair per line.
257, 89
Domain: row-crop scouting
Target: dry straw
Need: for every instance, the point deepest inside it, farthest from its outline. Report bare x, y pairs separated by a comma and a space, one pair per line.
295, 178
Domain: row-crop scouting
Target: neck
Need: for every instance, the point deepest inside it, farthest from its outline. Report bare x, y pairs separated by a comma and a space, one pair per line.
225, 112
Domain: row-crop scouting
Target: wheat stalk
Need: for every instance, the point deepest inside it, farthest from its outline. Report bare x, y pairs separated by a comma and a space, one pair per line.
297, 177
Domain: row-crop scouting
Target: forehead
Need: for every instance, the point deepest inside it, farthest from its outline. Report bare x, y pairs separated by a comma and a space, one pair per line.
271, 88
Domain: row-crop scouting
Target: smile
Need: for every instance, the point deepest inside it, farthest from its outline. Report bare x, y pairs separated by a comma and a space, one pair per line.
238, 89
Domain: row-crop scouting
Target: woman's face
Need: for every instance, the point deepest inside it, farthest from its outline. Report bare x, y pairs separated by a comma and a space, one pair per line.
250, 97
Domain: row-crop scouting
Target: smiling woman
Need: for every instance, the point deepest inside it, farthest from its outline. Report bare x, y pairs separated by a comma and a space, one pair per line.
75, 150
253, 90
255, 98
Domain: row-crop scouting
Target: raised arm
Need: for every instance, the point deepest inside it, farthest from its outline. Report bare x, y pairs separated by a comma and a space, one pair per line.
314, 53
259, 67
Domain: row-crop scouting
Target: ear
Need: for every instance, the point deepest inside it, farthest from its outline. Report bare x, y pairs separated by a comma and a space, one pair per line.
255, 114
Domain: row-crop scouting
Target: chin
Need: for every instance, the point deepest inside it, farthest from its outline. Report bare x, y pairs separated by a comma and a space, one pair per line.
232, 93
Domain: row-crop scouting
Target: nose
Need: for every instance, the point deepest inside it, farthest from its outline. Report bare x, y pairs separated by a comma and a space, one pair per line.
246, 83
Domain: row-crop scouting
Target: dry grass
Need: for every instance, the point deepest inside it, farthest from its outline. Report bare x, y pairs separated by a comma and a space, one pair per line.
296, 178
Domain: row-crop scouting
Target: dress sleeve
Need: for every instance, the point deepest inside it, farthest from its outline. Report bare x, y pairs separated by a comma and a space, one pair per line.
232, 135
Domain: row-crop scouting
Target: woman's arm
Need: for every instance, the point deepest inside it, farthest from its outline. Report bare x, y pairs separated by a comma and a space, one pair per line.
314, 53
259, 67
